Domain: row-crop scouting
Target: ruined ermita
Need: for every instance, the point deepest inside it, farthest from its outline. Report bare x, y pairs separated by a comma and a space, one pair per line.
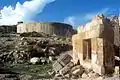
51, 28
96, 45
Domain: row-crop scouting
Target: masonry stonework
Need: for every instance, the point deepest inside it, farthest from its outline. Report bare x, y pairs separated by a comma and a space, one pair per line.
93, 46
46, 27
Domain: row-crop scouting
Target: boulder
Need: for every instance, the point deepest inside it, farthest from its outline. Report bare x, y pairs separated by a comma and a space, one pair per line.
34, 60
61, 62
52, 51
117, 69
84, 75
43, 60
77, 70
67, 76
51, 58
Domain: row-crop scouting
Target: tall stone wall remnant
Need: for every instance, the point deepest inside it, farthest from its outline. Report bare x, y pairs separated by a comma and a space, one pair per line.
48, 28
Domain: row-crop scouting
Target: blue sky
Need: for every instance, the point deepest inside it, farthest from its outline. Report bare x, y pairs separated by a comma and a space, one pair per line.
74, 12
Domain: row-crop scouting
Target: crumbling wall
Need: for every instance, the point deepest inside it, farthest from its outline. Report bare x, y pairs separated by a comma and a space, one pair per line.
77, 49
109, 61
97, 55
96, 61
95, 41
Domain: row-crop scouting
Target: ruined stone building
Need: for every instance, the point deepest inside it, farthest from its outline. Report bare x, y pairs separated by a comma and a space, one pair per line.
93, 45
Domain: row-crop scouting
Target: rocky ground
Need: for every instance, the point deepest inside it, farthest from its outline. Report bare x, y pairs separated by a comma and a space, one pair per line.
30, 57
42, 57
21, 50
25, 72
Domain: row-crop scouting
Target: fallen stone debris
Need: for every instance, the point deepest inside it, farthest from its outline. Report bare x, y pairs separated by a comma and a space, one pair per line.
25, 49
71, 71
68, 70
34, 60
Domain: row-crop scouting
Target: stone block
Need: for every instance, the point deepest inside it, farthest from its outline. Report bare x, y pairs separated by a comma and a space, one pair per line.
57, 66
65, 59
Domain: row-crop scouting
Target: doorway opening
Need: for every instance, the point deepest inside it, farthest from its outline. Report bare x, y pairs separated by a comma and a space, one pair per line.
87, 49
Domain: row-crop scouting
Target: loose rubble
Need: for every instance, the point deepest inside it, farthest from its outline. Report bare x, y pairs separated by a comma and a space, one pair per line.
23, 49
71, 71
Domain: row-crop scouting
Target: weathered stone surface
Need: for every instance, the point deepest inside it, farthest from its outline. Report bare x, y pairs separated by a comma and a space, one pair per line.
84, 75
43, 61
77, 70
57, 66
67, 76
77, 67
51, 58
70, 64
64, 70
34, 60
62, 61
93, 46
117, 69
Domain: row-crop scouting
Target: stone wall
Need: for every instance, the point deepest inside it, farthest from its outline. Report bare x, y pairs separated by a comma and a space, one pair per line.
48, 28
93, 46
